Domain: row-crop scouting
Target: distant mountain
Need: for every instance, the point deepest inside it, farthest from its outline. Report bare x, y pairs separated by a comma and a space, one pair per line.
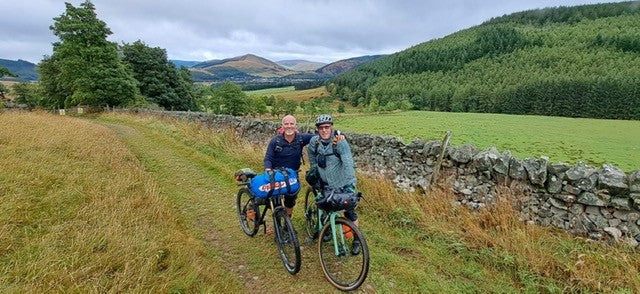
340, 66
185, 63
301, 65
25, 70
241, 67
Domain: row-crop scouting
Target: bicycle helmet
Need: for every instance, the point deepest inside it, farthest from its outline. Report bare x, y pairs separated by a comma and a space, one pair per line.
324, 119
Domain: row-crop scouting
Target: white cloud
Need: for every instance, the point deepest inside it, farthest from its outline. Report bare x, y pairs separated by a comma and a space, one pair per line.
317, 30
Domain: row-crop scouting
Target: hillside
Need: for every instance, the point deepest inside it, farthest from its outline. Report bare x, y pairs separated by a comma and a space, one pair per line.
252, 68
301, 65
340, 66
578, 61
121, 203
241, 66
25, 70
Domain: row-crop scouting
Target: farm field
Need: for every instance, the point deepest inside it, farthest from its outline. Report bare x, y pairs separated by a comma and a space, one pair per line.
594, 141
290, 93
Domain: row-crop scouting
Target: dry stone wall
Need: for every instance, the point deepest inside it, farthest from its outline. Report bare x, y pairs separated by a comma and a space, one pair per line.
599, 202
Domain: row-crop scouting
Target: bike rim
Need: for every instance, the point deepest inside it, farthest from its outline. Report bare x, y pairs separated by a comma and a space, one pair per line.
345, 271
246, 204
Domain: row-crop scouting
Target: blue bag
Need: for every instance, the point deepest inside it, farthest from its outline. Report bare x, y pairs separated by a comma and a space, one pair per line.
275, 182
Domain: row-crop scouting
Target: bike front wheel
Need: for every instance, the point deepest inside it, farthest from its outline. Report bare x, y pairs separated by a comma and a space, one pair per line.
288, 245
248, 212
345, 257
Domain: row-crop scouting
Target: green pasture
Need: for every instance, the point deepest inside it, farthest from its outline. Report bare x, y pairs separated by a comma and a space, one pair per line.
594, 141
270, 91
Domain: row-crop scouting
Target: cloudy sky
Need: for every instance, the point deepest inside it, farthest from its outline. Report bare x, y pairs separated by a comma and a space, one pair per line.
316, 30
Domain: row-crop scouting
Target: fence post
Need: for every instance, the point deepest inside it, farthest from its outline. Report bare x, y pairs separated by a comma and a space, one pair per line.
436, 169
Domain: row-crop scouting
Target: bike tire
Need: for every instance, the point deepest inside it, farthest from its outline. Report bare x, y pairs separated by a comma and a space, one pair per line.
334, 265
288, 245
311, 214
245, 202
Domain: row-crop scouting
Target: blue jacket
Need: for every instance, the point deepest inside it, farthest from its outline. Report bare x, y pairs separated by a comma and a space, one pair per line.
281, 153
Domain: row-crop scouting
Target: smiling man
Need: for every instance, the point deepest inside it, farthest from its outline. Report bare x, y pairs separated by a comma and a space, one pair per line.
285, 150
334, 161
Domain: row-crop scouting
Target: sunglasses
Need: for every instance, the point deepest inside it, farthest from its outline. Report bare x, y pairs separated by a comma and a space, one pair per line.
321, 128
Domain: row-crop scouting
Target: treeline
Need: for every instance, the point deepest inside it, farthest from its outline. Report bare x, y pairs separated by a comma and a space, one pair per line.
585, 69
283, 82
570, 15
229, 98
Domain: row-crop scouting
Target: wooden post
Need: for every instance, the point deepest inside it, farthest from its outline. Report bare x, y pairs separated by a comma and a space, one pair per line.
436, 169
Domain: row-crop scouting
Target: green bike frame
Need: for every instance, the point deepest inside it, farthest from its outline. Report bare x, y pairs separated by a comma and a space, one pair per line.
334, 232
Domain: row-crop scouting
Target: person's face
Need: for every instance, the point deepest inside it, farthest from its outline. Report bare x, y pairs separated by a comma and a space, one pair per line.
325, 131
289, 125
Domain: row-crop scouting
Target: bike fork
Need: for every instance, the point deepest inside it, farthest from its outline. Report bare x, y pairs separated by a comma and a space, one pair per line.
338, 251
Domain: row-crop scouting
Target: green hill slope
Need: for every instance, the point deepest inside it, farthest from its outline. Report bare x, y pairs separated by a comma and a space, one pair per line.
25, 70
579, 61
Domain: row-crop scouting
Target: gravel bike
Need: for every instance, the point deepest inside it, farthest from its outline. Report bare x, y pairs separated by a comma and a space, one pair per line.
343, 267
251, 219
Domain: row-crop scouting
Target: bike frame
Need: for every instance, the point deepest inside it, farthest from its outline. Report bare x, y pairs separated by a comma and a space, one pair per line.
271, 205
334, 232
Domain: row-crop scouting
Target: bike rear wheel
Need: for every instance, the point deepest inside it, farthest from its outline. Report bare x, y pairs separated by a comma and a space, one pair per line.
311, 214
288, 245
347, 269
248, 212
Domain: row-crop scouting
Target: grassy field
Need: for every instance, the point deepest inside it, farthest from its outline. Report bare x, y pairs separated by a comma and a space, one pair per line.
290, 93
118, 203
594, 141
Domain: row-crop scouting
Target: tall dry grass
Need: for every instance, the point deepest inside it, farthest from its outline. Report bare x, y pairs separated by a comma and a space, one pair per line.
577, 263
78, 213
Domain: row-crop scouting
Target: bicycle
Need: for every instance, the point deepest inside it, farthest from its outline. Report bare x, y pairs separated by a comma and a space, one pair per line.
251, 219
336, 234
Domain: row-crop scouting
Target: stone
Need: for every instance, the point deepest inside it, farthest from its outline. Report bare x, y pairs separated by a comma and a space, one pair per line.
612, 179
484, 160
626, 215
586, 184
554, 183
614, 222
568, 198
516, 169
592, 210
577, 208
463, 154
635, 197
595, 235
558, 168
581, 170
466, 191
597, 221
558, 204
537, 169
621, 203
634, 230
614, 232
501, 165
634, 181
571, 189
589, 198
